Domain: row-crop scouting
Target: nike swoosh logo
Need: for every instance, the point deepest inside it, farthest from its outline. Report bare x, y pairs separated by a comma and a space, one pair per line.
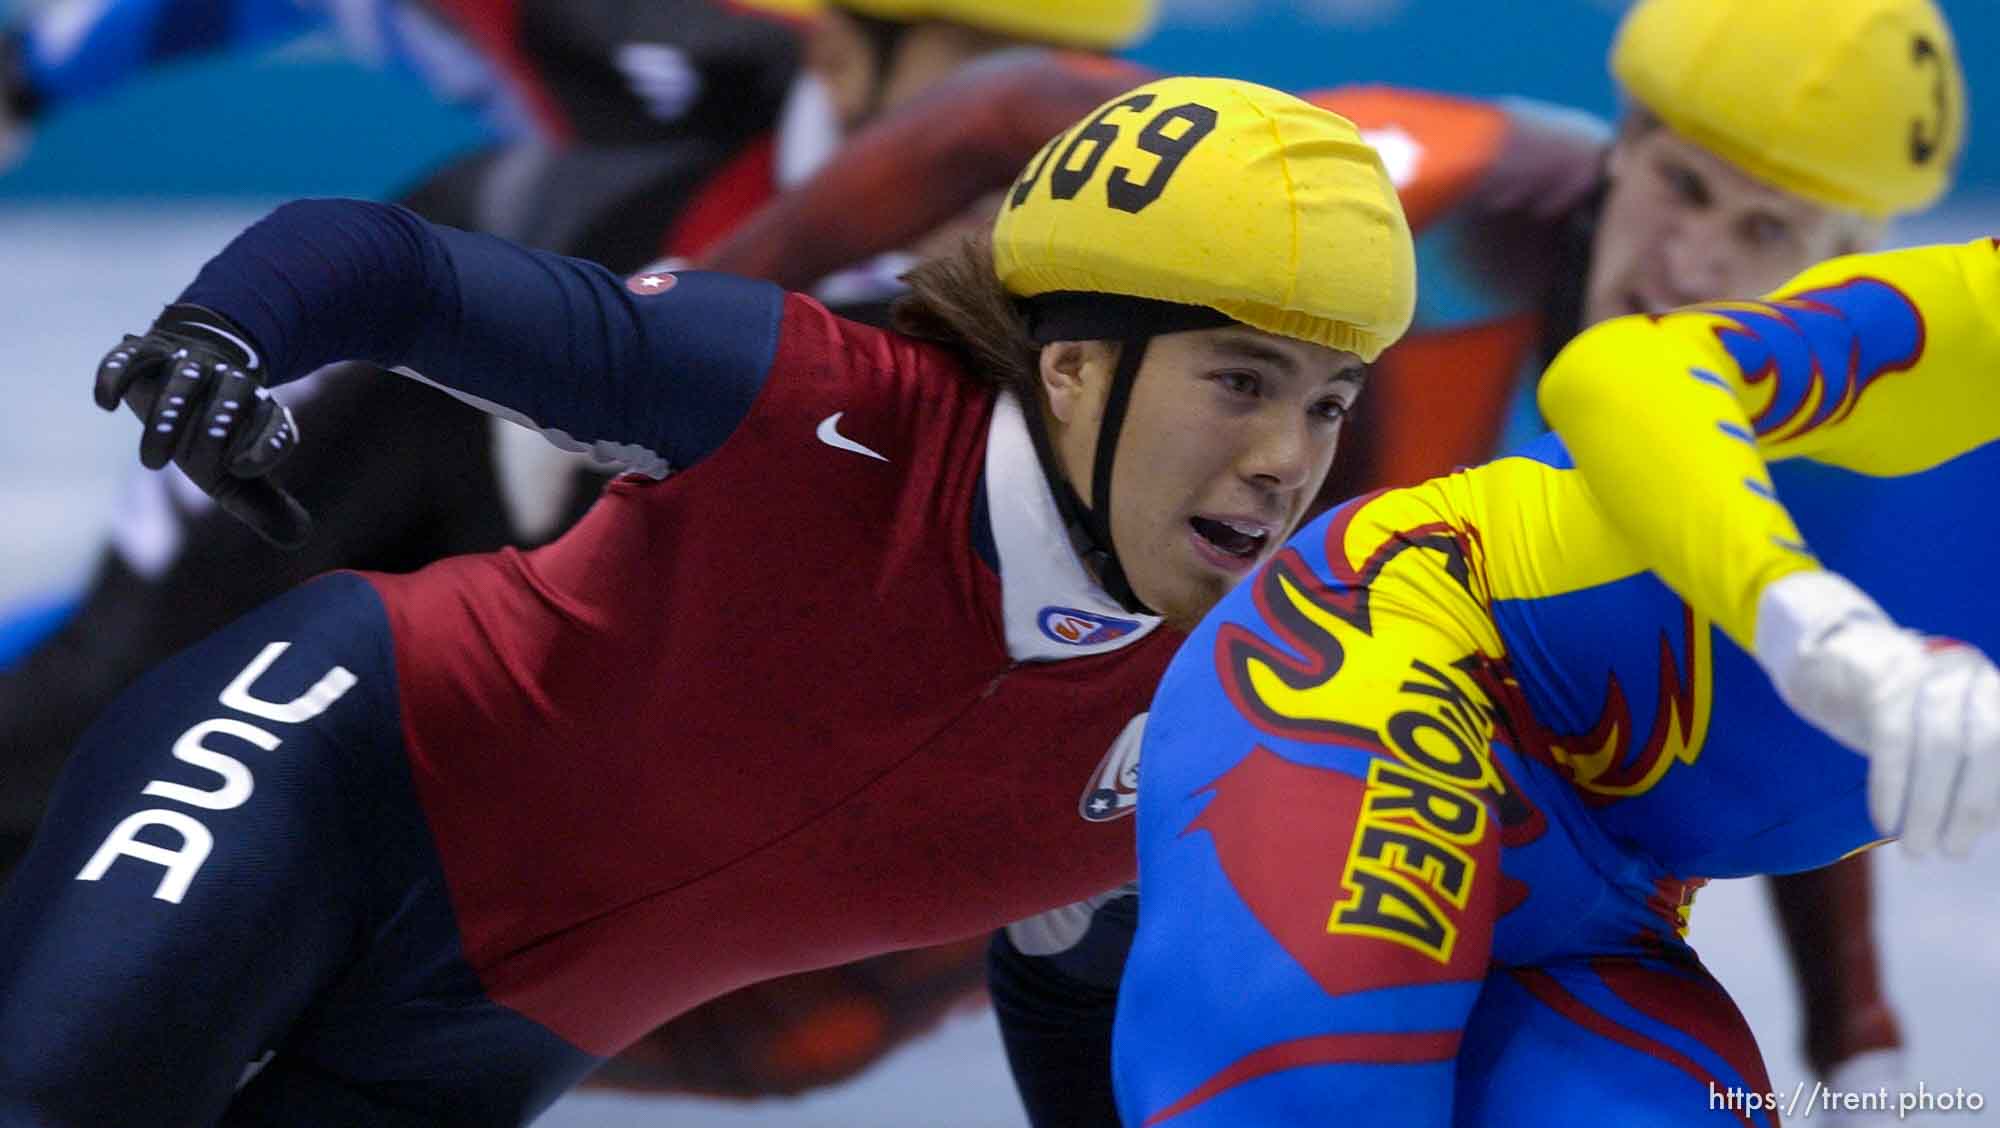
829, 433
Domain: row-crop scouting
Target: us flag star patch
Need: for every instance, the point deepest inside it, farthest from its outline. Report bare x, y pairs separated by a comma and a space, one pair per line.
651, 282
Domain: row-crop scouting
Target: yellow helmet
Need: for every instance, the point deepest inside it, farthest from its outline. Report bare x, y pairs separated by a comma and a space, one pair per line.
1097, 24
1221, 194
1852, 104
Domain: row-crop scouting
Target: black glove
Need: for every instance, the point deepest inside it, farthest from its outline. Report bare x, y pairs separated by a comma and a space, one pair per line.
196, 381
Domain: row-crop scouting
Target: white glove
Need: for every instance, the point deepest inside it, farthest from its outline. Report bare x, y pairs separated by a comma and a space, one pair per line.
1925, 711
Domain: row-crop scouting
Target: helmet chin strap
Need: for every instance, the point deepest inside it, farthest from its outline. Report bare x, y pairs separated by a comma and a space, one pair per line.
1097, 518
1090, 525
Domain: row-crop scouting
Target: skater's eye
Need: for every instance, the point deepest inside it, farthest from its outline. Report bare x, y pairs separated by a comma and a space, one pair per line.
1685, 183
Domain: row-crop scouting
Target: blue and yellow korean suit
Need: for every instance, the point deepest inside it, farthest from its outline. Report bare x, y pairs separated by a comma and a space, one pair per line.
1425, 802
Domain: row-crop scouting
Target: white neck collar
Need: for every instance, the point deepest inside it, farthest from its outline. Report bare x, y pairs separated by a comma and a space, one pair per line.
1054, 608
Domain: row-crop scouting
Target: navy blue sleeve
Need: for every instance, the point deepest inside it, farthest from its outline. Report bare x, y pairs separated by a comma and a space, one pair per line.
1056, 1009
76, 47
640, 371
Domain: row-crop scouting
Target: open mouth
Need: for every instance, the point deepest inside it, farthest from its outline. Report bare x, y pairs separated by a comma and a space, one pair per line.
1239, 539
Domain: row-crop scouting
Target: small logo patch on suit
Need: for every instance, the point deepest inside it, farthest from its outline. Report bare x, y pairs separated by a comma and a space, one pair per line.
1081, 628
1113, 790
651, 282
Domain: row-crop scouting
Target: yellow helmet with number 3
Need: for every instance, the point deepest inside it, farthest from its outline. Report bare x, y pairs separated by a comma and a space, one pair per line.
1852, 104
1099, 24
1221, 194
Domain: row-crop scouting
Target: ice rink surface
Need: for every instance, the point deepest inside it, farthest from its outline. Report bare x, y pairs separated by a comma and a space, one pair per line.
72, 279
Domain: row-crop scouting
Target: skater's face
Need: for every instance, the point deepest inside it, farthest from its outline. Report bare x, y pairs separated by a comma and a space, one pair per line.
865, 76
1228, 435
1682, 225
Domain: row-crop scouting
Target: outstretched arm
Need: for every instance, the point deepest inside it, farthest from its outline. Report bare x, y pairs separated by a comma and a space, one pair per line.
1882, 364
1878, 363
641, 363
648, 373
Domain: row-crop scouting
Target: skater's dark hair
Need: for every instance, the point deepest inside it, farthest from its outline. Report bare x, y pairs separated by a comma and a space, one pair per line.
956, 299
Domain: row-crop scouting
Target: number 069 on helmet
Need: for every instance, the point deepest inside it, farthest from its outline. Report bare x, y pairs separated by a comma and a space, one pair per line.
1218, 193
